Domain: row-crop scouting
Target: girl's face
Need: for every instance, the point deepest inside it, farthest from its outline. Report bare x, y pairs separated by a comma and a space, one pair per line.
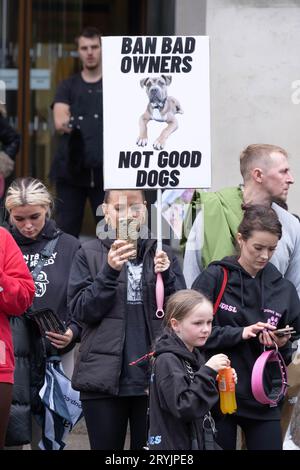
195, 328
256, 251
29, 219
124, 204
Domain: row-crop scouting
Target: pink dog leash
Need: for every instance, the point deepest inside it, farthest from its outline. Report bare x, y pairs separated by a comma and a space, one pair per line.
277, 376
160, 294
159, 288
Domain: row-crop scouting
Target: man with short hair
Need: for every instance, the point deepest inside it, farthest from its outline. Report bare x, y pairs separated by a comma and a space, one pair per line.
267, 177
77, 169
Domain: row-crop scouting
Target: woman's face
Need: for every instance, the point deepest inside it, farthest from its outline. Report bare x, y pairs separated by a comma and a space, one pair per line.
257, 250
124, 204
29, 219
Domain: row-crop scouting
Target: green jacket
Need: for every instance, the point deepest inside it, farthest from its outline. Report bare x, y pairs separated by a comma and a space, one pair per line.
222, 213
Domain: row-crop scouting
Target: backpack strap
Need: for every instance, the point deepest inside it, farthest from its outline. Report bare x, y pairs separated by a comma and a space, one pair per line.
208, 425
221, 292
45, 254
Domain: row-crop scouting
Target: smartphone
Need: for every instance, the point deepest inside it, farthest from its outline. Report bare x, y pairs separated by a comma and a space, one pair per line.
129, 230
284, 331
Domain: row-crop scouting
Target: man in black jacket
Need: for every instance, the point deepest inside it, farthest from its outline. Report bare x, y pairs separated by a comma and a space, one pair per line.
77, 111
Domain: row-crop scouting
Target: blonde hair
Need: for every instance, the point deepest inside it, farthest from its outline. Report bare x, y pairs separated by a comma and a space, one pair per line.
180, 304
28, 191
257, 155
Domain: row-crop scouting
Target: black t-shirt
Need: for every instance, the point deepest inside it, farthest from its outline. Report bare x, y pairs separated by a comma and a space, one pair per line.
134, 379
83, 148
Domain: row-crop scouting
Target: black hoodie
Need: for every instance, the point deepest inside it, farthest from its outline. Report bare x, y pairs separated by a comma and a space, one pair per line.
52, 282
175, 401
246, 300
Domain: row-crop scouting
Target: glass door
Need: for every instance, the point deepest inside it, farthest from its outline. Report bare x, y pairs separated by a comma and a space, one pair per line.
9, 59
52, 58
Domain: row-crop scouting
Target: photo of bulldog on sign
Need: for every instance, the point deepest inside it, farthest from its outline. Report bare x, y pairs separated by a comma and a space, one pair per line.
161, 108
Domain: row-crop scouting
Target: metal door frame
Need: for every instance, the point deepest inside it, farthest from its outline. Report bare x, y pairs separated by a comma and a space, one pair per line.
24, 46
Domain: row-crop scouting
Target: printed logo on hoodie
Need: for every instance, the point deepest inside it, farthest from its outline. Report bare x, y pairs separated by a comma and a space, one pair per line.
229, 308
41, 284
273, 317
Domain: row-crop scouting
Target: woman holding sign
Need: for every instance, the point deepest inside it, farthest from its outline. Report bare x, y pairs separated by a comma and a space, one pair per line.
112, 293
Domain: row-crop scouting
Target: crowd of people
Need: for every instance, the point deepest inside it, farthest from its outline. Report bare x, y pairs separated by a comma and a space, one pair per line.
136, 364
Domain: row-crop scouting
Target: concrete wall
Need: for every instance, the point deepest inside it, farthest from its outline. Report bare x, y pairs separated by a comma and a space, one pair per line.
255, 62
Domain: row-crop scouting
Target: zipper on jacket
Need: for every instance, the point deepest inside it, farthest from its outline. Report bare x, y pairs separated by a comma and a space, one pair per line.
92, 178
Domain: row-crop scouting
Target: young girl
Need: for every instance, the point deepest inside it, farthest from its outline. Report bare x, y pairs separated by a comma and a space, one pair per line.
183, 387
255, 302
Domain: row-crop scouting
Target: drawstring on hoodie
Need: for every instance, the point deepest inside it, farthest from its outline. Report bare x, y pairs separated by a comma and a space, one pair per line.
242, 287
262, 291
241, 276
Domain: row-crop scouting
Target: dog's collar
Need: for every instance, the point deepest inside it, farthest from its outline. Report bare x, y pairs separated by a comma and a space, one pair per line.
158, 104
270, 388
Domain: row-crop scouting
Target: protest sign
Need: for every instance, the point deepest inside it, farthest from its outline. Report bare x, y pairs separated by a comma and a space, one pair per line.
156, 109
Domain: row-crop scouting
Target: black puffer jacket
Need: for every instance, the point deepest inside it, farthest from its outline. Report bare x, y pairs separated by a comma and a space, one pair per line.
19, 428
97, 296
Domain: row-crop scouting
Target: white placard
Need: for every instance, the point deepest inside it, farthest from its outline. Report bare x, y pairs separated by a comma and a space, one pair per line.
137, 71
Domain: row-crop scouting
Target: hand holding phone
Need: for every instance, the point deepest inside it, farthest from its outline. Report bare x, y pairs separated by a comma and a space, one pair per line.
128, 229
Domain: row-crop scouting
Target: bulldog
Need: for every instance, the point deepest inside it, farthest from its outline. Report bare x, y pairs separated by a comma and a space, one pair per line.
161, 107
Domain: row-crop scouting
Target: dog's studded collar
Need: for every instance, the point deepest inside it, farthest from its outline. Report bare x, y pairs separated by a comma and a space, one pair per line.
158, 104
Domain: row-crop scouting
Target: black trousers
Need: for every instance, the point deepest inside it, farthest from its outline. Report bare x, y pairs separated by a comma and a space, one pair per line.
70, 203
107, 420
259, 434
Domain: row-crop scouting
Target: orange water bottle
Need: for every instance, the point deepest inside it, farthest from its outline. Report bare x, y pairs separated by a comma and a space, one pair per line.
227, 391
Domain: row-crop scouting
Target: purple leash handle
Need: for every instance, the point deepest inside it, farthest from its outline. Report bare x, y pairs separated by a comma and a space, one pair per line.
160, 294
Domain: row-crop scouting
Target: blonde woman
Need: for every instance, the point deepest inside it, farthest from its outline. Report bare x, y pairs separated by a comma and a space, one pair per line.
29, 205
